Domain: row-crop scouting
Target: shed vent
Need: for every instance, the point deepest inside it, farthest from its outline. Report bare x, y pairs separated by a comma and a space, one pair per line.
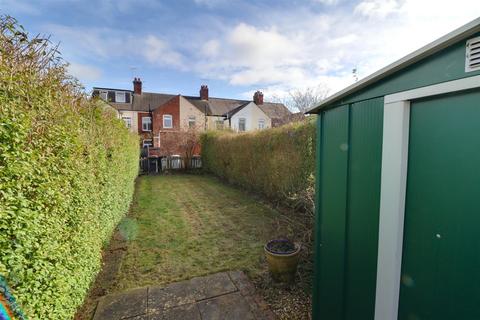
472, 57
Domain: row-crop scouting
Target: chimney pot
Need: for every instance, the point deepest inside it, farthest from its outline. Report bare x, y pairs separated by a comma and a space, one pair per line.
137, 86
258, 97
204, 92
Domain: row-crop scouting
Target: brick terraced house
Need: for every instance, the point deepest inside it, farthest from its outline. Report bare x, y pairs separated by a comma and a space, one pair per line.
157, 116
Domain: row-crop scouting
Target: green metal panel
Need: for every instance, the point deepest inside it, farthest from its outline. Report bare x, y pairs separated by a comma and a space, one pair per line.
332, 212
441, 255
446, 65
347, 198
366, 126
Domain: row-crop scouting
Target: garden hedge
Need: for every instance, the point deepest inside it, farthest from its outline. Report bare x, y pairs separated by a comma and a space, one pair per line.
67, 171
278, 162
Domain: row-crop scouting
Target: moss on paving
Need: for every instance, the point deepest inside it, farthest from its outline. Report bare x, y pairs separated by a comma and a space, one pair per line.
183, 226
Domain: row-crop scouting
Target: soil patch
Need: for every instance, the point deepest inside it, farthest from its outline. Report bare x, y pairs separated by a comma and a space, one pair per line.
281, 246
106, 279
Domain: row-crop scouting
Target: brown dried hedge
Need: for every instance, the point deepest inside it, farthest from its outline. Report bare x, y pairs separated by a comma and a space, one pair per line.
278, 162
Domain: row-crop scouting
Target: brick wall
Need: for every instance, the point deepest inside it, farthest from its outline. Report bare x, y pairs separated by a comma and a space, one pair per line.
171, 107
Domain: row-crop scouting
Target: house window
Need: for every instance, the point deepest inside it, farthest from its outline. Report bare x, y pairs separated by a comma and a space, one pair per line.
191, 121
147, 143
147, 124
128, 121
156, 140
261, 124
104, 95
167, 121
219, 124
120, 97
241, 124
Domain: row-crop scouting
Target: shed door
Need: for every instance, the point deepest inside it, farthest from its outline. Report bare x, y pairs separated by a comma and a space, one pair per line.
441, 250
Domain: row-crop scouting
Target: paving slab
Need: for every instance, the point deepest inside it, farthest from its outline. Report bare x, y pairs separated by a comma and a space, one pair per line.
184, 312
127, 304
226, 295
173, 295
227, 307
241, 281
212, 286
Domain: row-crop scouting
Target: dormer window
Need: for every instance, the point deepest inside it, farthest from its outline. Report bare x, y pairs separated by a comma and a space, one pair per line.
120, 97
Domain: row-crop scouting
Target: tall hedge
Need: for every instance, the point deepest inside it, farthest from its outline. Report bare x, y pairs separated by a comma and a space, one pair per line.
278, 162
67, 170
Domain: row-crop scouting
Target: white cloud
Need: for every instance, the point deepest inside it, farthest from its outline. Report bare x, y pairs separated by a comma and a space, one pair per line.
342, 40
291, 49
249, 55
85, 42
211, 48
107, 44
378, 8
254, 47
327, 2
84, 72
157, 51
301, 48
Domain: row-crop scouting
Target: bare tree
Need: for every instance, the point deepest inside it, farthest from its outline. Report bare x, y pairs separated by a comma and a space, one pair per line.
184, 142
190, 145
301, 100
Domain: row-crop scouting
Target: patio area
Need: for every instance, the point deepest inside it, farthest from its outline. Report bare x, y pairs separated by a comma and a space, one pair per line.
226, 295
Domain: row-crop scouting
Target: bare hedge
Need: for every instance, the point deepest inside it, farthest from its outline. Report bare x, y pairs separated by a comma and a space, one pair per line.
277, 162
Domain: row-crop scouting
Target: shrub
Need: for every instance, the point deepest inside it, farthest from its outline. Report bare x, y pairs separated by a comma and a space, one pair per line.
278, 162
67, 170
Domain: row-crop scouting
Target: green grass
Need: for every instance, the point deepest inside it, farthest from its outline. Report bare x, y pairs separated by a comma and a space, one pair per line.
183, 226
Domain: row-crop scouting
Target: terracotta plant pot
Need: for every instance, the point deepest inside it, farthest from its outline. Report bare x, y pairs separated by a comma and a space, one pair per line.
282, 264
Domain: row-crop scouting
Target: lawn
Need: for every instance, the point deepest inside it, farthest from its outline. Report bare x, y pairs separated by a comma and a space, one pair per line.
182, 226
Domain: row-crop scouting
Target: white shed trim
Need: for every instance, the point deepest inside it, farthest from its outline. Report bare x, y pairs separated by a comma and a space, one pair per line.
436, 89
396, 122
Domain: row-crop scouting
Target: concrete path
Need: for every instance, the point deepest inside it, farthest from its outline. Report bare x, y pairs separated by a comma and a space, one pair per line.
226, 295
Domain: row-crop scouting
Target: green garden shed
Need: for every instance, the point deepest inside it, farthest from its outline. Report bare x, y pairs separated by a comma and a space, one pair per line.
398, 189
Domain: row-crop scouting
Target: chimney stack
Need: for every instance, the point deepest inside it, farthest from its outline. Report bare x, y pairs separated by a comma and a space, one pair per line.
258, 98
137, 86
204, 92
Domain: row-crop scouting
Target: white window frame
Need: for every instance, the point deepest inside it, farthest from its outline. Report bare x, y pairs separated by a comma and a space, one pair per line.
147, 145
192, 120
147, 123
219, 124
103, 95
157, 140
261, 124
128, 121
168, 117
244, 124
396, 132
120, 94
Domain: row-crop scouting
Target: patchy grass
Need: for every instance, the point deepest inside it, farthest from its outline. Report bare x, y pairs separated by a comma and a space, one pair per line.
183, 226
